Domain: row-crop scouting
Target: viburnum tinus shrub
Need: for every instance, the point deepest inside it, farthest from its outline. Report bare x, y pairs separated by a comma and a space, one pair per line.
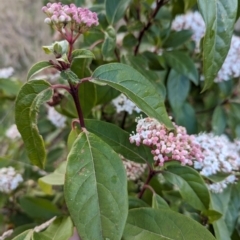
126, 181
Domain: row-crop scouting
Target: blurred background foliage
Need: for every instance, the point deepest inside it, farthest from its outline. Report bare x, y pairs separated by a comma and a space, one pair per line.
165, 57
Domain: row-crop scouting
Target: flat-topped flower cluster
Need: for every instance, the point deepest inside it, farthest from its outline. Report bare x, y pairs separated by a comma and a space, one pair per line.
220, 156
9, 179
60, 15
166, 145
193, 21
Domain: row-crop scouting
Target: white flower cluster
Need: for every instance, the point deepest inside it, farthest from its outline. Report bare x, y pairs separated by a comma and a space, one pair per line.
122, 103
218, 187
220, 156
9, 179
6, 72
231, 65
191, 21
13, 132
56, 118
134, 170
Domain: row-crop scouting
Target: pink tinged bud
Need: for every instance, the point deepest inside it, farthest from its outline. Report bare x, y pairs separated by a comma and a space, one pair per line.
48, 20
62, 18
49, 5
155, 158
44, 9
54, 18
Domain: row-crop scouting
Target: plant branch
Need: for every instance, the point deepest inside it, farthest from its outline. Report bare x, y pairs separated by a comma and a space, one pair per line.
74, 93
159, 4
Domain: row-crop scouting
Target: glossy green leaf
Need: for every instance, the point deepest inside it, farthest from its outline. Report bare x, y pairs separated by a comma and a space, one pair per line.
96, 189
82, 53
176, 39
29, 99
190, 185
118, 139
152, 224
36, 68
70, 76
105, 94
27, 235
219, 17
182, 63
219, 120
57, 177
115, 9
109, 44
135, 87
60, 229
38, 207
178, 87
158, 202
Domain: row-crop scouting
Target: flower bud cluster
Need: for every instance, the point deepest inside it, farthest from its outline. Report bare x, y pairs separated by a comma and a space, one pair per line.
166, 145
12, 132
57, 119
60, 15
191, 21
134, 170
9, 179
6, 72
122, 103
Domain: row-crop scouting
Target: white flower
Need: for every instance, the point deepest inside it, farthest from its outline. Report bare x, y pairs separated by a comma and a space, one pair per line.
6, 72
13, 132
9, 179
56, 118
122, 103
218, 187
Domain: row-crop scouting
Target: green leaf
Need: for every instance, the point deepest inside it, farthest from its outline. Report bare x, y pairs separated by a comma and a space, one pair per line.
136, 202
212, 215
82, 53
219, 120
219, 202
96, 189
227, 203
36, 68
115, 9
60, 229
87, 97
190, 185
9, 88
29, 99
70, 76
57, 177
158, 202
109, 44
38, 207
135, 87
104, 94
186, 117
152, 224
178, 87
219, 17
27, 235
189, 4
118, 139
182, 63
176, 39
129, 41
